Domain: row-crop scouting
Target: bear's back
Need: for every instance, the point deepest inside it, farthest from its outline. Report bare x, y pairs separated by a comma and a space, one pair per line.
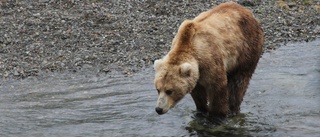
231, 29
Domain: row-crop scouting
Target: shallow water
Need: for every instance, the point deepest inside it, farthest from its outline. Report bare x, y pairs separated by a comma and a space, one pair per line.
283, 99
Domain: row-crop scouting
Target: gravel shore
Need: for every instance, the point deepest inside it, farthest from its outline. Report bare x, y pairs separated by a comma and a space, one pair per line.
122, 36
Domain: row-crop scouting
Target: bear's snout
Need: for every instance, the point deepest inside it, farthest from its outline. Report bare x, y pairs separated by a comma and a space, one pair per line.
159, 110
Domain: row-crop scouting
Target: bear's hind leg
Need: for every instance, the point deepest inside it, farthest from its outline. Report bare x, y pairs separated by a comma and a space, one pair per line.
237, 85
199, 96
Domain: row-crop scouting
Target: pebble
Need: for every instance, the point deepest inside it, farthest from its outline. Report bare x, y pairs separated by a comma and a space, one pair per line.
15, 72
36, 14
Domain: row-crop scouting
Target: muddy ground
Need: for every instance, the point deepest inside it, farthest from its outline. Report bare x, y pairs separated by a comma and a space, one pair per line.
111, 36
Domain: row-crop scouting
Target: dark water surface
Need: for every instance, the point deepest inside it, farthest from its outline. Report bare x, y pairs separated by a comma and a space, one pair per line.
283, 100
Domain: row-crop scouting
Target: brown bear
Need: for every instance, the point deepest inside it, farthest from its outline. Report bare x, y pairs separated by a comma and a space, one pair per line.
212, 57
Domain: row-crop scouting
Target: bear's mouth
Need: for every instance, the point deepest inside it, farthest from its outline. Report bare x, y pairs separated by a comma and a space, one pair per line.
163, 110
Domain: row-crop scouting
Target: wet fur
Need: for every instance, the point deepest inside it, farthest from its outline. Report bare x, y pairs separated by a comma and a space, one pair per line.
226, 43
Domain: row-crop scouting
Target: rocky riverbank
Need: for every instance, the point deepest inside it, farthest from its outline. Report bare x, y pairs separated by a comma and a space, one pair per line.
122, 36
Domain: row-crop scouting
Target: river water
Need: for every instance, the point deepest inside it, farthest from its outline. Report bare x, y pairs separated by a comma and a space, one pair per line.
283, 99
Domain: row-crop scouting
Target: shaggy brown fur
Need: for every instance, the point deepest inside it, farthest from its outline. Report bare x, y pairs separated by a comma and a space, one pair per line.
219, 51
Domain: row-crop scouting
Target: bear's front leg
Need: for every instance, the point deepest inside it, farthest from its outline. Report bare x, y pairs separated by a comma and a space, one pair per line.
199, 96
218, 97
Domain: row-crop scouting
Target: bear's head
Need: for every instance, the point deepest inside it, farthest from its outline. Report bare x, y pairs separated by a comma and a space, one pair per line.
173, 82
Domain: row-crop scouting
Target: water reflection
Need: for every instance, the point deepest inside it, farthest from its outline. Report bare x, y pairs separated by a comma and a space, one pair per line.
240, 125
282, 100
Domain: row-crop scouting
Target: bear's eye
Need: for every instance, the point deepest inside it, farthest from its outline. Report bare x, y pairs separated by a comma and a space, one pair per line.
168, 92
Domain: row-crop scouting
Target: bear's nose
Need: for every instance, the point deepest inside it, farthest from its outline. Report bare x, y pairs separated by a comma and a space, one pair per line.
159, 110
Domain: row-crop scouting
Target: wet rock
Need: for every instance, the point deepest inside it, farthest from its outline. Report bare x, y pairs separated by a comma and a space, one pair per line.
15, 72
6, 74
33, 71
292, 4
106, 70
246, 2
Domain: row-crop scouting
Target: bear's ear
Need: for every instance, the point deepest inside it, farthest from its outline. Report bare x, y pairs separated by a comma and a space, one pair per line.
186, 33
185, 69
157, 64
